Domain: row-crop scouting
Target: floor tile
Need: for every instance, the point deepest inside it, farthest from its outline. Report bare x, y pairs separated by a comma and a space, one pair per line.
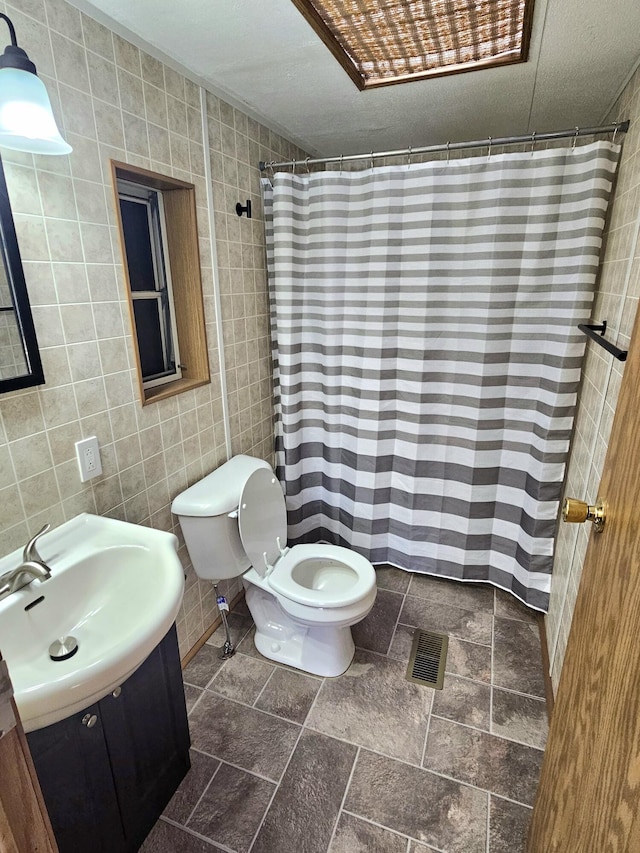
232, 808
473, 764
478, 758
241, 678
192, 787
243, 736
372, 705
289, 694
469, 659
464, 701
306, 805
468, 596
508, 826
357, 836
388, 577
165, 838
520, 718
375, 632
509, 607
517, 657
464, 624
426, 807
203, 667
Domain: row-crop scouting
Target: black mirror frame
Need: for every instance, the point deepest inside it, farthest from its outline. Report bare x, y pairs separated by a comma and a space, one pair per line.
18, 287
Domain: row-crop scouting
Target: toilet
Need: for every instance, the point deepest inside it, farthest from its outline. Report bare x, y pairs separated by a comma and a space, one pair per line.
303, 599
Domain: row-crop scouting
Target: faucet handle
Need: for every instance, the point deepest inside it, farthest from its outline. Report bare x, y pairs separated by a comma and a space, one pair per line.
30, 553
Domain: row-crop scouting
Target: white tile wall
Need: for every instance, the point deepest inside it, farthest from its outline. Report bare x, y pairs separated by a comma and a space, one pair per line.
114, 101
616, 302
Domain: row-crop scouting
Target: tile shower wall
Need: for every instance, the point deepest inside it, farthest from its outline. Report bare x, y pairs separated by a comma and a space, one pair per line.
616, 302
115, 101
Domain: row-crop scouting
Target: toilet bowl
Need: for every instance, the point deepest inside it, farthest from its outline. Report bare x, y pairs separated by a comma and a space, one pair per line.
303, 599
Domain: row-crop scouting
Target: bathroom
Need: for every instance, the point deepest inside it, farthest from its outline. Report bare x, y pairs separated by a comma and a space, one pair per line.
115, 100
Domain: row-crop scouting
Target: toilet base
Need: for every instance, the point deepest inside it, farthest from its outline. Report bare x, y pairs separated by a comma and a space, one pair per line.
325, 650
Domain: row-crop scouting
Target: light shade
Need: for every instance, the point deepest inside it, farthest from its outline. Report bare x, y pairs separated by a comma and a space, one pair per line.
26, 117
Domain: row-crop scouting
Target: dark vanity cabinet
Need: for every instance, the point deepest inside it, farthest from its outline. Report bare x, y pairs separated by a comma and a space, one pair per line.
108, 771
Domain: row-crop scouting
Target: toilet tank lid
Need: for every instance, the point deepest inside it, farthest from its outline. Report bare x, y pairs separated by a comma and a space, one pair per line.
219, 492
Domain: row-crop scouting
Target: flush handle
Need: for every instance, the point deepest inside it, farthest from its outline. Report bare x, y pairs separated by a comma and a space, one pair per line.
89, 720
577, 512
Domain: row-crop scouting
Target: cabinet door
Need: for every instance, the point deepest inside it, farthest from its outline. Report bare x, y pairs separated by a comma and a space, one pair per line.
147, 737
72, 763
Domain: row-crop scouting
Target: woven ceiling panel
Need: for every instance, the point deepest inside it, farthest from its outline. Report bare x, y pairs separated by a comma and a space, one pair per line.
391, 38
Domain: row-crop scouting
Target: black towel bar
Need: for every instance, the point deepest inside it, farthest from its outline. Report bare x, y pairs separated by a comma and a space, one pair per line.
596, 333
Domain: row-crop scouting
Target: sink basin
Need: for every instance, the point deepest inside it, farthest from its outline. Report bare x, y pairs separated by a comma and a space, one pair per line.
115, 587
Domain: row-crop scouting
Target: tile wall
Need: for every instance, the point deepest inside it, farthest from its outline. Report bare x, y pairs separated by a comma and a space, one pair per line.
115, 101
616, 302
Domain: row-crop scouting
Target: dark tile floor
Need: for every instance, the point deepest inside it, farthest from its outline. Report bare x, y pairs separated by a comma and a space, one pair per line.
284, 762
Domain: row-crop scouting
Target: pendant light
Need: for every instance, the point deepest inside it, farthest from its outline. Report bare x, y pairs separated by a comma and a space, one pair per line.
26, 117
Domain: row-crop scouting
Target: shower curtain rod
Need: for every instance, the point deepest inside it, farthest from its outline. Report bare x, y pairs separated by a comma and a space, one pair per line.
616, 127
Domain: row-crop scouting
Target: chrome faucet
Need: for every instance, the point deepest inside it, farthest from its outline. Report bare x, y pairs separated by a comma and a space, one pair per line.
31, 567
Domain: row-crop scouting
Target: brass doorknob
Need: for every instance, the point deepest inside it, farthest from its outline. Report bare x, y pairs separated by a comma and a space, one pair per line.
578, 511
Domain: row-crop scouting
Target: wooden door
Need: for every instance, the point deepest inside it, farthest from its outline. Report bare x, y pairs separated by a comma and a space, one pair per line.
589, 795
24, 823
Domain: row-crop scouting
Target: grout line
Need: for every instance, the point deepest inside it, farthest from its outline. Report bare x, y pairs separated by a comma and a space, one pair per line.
426, 735
250, 707
493, 649
419, 767
488, 823
395, 627
269, 677
487, 732
275, 791
409, 838
235, 766
215, 272
344, 797
206, 788
187, 831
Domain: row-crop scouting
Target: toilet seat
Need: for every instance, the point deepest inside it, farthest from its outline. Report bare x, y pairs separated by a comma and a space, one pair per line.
312, 575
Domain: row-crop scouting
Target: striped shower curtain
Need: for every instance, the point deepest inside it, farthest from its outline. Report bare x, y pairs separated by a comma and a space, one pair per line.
426, 355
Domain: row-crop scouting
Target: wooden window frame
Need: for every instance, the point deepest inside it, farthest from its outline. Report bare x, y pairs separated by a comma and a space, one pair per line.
183, 260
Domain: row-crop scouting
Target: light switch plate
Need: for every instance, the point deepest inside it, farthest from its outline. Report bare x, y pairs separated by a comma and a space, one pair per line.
88, 456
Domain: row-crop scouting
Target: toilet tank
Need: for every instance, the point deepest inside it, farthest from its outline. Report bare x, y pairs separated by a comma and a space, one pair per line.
211, 536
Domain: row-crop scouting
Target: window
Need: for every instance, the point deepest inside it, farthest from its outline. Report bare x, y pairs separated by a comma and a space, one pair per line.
159, 242
380, 42
144, 230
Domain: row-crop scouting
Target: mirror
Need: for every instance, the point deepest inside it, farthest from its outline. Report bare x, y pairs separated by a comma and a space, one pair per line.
20, 364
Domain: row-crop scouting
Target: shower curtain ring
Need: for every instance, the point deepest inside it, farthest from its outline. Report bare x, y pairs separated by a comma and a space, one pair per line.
306, 163
575, 139
615, 133
293, 166
533, 141
341, 156
448, 150
371, 155
270, 165
409, 157
489, 151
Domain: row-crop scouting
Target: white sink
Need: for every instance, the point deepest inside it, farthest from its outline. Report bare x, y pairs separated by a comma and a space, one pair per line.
115, 587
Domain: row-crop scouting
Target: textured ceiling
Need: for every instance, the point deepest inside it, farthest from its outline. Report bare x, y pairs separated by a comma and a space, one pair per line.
265, 58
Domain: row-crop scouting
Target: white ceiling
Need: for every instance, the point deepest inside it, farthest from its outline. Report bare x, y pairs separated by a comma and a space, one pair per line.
262, 56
